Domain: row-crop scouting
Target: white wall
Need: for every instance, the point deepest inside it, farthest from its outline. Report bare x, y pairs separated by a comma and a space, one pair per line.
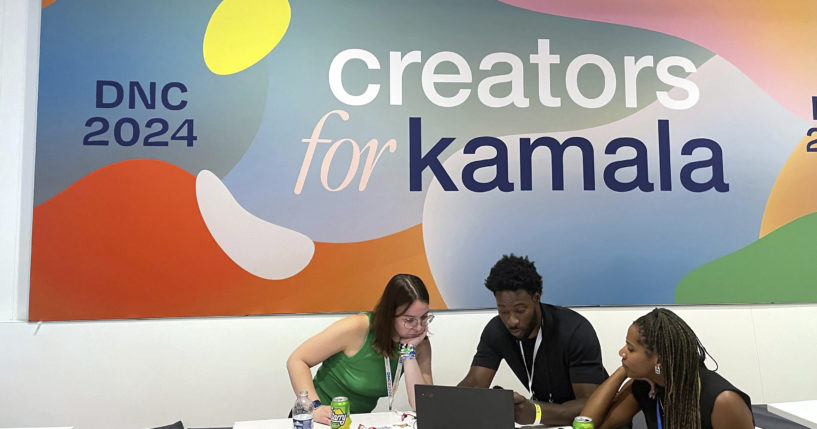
19, 54
214, 371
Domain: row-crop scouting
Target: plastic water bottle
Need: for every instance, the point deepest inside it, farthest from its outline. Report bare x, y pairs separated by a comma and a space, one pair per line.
302, 412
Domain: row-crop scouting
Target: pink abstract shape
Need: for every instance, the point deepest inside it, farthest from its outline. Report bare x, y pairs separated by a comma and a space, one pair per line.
771, 42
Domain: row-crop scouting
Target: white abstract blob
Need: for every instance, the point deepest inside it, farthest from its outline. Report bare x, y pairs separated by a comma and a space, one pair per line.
261, 248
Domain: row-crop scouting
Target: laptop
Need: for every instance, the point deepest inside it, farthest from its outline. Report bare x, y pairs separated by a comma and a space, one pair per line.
446, 407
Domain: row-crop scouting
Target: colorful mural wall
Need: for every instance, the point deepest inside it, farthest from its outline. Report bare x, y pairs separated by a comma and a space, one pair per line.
209, 157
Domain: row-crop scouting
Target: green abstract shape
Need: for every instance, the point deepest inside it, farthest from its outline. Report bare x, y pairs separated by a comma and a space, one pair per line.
780, 267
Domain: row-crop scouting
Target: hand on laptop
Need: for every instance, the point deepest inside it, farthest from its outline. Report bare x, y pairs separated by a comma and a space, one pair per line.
524, 411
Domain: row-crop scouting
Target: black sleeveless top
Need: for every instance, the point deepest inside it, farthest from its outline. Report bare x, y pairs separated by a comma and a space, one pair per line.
712, 384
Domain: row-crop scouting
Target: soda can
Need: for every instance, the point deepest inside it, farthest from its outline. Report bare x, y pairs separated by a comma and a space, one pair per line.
582, 422
340, 419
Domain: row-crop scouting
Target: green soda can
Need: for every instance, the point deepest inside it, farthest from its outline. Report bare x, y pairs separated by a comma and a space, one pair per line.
340, 418
582, 422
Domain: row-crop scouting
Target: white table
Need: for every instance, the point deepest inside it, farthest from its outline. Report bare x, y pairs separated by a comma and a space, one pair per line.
802, 412
369, 420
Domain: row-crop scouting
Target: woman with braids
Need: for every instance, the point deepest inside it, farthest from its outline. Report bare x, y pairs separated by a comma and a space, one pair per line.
665, 361
364, 354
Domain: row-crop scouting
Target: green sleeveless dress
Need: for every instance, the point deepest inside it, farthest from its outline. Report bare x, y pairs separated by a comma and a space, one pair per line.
361, 378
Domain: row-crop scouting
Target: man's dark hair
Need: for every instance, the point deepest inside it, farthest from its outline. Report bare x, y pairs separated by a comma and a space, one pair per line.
513, 273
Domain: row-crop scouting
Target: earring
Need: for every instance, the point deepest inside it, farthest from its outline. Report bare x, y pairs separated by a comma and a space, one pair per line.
658, 369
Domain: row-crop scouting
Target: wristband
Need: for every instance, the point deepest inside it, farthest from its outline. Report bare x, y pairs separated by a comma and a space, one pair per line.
407, 351
538, 413
406, 348
316, 403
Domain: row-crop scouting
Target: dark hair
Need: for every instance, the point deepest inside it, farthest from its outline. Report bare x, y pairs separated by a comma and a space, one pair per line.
681, 355
513, 273
401, 291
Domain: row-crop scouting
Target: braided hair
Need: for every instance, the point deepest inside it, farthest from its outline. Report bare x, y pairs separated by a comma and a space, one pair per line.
681, 355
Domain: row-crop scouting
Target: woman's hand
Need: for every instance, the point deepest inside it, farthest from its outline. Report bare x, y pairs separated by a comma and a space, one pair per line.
414, 341
620, 375
652, 386
322, 414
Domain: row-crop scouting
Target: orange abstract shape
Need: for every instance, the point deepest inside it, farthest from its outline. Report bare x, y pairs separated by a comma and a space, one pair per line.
771, 42
47, 3
793, 194
242, 32
128, 241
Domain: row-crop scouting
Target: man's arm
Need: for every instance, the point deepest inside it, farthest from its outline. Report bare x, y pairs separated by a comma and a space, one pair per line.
478, 376
586, 372
487, 358
553, 414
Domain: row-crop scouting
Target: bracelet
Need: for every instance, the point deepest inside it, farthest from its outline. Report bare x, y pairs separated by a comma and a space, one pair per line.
407, 351
538, 413
406, 348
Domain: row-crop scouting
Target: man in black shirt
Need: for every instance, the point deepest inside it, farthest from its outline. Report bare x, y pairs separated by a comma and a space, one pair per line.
553, 350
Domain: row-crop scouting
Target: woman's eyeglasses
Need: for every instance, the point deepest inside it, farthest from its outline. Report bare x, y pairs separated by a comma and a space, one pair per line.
412, 322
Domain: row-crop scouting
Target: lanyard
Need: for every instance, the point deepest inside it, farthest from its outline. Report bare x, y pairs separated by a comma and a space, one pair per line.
658, 413
533, 362
391, 387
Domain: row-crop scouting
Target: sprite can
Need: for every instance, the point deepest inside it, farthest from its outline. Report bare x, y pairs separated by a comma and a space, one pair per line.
582, 422
340, 418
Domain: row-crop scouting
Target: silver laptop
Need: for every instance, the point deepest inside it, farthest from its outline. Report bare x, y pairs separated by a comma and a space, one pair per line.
447, 407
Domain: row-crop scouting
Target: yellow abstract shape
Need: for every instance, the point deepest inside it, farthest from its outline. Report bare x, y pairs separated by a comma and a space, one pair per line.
242, 32
794, 193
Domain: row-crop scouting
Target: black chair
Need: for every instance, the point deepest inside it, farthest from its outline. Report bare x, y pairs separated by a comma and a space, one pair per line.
766, 420
177, 425
763, 419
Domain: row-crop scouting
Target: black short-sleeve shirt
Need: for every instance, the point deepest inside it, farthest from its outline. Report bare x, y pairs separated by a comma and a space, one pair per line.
570, 353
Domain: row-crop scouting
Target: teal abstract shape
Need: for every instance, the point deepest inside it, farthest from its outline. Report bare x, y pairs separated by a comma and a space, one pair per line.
153, 44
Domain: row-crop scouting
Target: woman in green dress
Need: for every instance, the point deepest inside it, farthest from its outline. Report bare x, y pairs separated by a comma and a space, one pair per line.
363, 355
